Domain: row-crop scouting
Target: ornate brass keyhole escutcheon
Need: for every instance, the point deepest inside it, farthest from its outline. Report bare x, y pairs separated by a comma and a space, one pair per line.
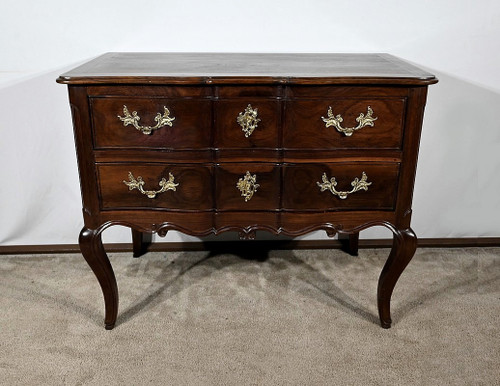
248, 120
247, 185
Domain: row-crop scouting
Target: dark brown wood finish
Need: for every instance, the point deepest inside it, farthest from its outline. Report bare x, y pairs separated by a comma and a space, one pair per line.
229, 68
193, 191
229, 134
93, 252
349, 243
207, 152
229, 197
304, 127
188, 131
140, 242
403, 249
301, 191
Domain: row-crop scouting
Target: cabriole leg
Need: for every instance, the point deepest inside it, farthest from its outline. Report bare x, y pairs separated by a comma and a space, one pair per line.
140, 242
349, 243
403, 248
93, 252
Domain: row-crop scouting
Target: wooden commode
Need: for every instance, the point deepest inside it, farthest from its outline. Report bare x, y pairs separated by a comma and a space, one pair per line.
208, 143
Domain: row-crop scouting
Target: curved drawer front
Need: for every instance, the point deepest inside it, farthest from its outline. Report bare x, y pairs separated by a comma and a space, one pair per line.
250, 186
184, 124
352, 123
247, 123
340, 186
136, 186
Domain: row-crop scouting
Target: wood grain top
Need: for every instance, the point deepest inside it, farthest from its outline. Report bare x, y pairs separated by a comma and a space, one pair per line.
227, 68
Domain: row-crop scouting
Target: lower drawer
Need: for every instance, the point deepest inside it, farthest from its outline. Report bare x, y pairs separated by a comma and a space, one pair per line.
249, 186
340, 186
136, 186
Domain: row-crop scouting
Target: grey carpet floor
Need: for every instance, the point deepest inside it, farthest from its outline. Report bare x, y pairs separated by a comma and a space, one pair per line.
304, 317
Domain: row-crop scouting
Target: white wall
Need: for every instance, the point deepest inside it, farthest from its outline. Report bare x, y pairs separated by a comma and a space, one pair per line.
457, 187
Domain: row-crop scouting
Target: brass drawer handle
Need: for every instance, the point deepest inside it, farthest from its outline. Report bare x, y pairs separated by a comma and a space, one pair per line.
133, 119
248, 120
336, 120
138, 184
357, 184
247, 185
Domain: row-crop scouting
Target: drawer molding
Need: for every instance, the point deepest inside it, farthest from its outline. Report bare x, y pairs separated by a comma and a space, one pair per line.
357, 184
133, 119
138, 184
336, 120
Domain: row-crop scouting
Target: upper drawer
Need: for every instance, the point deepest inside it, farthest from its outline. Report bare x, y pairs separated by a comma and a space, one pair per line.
151, 122
346, 123
245, 123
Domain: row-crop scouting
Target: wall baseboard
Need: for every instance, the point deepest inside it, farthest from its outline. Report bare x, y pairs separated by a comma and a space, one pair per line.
482, 242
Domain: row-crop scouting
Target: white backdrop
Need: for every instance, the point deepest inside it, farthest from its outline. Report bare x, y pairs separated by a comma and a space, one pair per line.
457, 187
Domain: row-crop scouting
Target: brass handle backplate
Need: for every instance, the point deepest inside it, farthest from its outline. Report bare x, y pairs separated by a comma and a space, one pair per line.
248, 120
133, 119
336, 120
357, 184
247, 185
138, 184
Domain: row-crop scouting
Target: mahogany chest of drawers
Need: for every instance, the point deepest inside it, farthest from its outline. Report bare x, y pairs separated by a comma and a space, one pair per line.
208, 143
